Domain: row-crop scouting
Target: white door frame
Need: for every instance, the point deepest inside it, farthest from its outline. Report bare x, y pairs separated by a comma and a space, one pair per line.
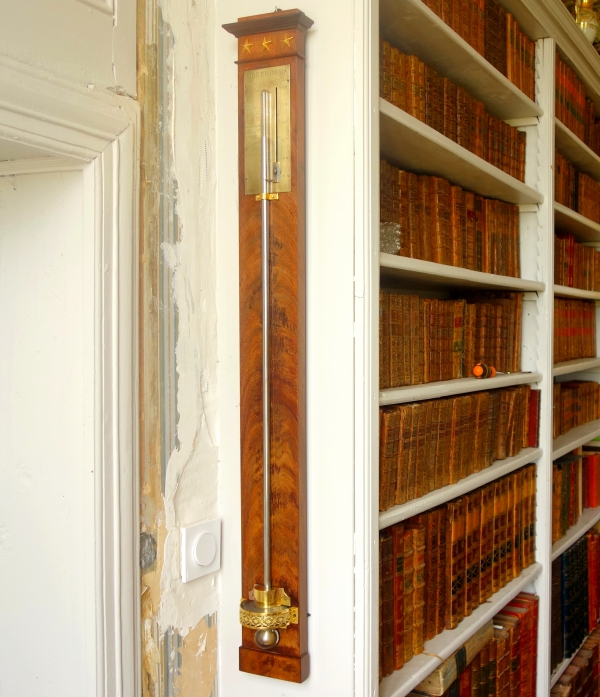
97, 133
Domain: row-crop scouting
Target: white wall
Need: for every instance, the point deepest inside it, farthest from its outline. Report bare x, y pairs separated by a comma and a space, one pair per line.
88, 42
330, 389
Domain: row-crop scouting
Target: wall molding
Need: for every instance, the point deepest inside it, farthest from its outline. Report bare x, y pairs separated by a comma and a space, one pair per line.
62, 118
98, 134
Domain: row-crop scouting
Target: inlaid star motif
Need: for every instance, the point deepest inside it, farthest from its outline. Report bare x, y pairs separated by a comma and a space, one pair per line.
265, 43
247, 46
286, 40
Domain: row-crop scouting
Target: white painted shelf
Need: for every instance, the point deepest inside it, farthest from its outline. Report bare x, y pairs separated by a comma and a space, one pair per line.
441, 647
574, 438
587, 519
566, 292
425, 274
412, 145
566, 220
447, 388
413, 28
576, 151
575, 366
498, 469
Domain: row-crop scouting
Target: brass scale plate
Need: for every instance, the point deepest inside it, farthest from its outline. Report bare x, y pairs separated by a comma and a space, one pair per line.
277, 81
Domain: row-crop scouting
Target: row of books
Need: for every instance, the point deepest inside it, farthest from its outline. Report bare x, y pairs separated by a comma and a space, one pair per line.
575, 403
574, 329
573, 108
425, 339
495, 34
581, 677
426, 445
575, 605
458, 556
575, 265
575, 486
500, 658
426, 217
576, 190
418, 89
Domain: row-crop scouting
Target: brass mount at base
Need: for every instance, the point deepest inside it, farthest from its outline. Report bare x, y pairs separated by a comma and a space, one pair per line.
267, 609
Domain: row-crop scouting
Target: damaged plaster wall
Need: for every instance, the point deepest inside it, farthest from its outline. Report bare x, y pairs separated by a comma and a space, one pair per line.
178, 326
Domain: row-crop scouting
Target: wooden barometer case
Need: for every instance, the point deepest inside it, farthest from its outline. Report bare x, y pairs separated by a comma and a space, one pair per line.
273, 610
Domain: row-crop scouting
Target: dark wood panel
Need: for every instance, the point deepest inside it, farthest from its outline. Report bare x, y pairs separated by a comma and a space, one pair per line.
270, 47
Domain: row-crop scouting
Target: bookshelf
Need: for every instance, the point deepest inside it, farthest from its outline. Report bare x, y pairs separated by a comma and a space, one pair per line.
445, 644
414, 146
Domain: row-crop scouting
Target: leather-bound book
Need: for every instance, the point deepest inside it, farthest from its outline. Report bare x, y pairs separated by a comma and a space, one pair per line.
474, 545
485, 530
450, 112
398, 546
493, 646
384, 340
484, 670
409, 567
510, 496
470, 228
413, 217
405, 340
502, 662
442, 576
458, 327
517, 522
456, 218
424, 447
416, 371
476, 676
388, 455
396, 340
387, 608
514, 631
432, 524
499, 527
455, 560
398, 79
462, 118
413, 450
419, 575
404, 455
424, 217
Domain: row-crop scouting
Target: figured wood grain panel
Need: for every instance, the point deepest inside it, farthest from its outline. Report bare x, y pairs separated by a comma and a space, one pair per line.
271, 46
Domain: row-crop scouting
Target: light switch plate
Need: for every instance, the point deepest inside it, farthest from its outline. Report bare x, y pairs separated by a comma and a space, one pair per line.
200, 549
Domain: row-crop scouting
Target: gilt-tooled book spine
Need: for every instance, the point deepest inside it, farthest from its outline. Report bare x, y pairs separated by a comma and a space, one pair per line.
419, 532
432, 522
398, 542
387, 592
502, 662
458, 338
396, 340
409, 553
413, 216
456, 555
384, 340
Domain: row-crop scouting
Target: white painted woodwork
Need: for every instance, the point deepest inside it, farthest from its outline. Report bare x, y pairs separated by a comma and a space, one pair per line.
47, 461
576, 151
410, 144
575, 437
447, 388
566, 292
575, 366
570, 221
68, 437
416, 273
86, 42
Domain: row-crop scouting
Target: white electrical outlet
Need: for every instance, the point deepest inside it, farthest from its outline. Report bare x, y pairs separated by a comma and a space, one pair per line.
200, 549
